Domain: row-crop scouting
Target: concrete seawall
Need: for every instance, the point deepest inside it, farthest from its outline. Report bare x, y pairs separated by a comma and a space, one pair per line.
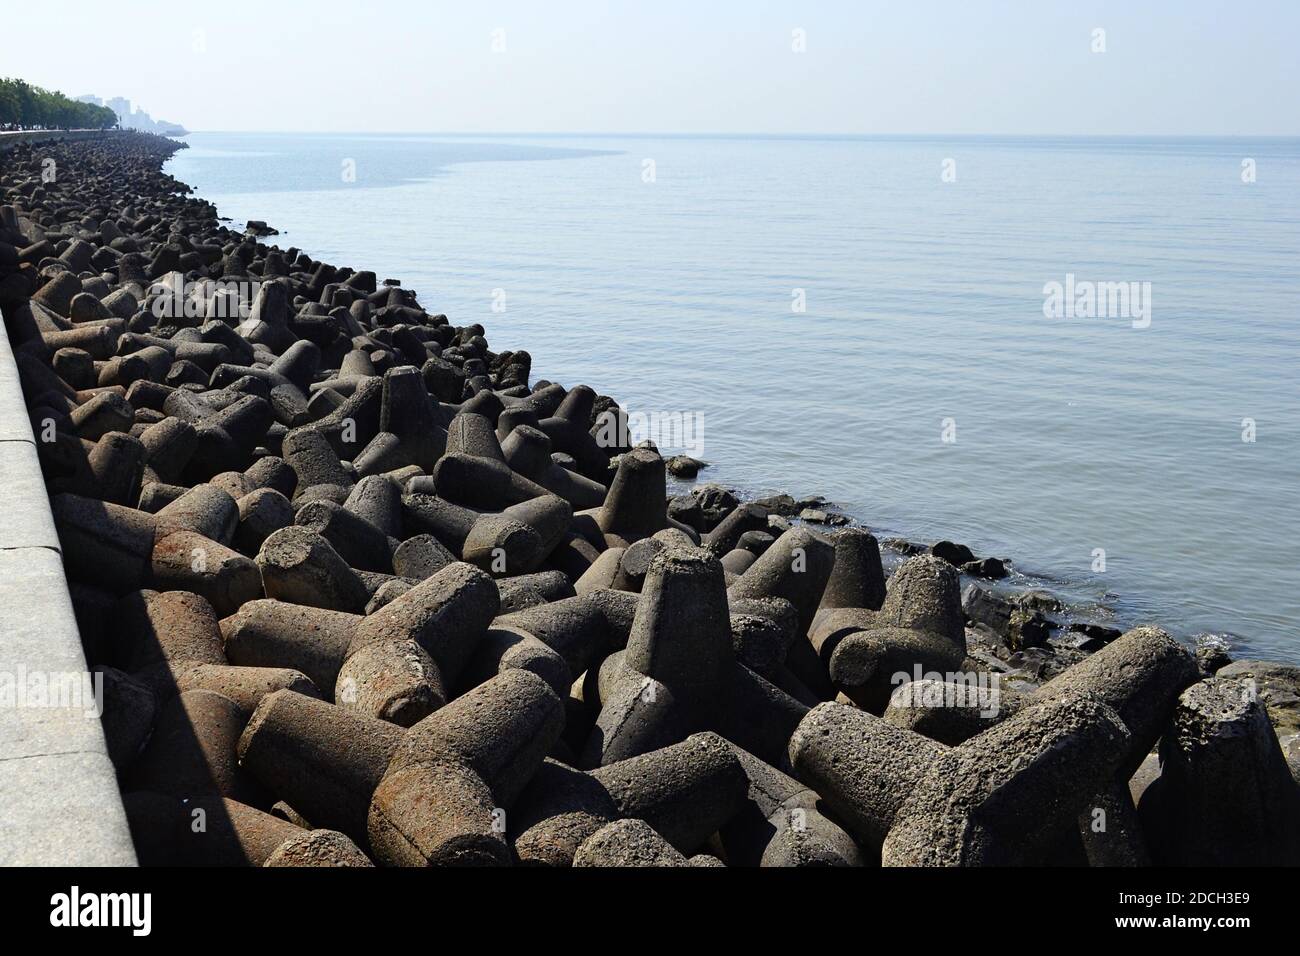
59, 799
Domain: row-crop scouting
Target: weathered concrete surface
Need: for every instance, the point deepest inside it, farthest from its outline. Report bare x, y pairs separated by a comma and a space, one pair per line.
59, 801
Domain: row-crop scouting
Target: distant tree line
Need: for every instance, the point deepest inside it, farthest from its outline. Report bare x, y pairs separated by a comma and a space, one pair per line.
23, 106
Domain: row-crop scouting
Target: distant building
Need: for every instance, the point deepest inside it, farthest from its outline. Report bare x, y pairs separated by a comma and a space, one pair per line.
129, 118
120, 106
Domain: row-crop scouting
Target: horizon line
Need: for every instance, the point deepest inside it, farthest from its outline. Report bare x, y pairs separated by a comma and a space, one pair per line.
751, 135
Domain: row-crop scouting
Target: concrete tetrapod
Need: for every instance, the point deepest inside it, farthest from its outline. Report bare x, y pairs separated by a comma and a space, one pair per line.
394, 664
686, 792
781, 825
169, 643
434, 794
444, 796
796, 567
679, 674
1225, 796
122, 549
1140, 675
920, 625
952, 713
1000, 798
628, 843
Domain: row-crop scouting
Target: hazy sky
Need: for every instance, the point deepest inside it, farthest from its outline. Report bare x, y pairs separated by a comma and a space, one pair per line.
906, 66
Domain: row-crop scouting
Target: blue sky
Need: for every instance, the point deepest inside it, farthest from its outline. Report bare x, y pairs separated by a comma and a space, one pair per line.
920, 66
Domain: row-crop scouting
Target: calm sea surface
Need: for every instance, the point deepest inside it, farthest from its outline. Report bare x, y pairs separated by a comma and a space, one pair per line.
670, 272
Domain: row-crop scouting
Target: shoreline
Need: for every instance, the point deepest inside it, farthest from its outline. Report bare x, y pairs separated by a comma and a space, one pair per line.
1190, 597
285, 446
